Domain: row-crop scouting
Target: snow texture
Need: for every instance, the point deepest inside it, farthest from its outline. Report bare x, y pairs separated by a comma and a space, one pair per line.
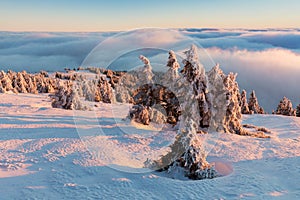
42, 157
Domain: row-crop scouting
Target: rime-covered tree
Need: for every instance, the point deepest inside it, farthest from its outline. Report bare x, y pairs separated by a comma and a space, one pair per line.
77, 103
172, 73
6, 82
31, 85
187, 148
285, 107
244, 103
298, 111
225, 100
88, 89
253, 104
194, 73
146, 74
217, 94
67, 97
170, 78
233, 112
2, 89
129, 82
104, 90
96, 90
62, 97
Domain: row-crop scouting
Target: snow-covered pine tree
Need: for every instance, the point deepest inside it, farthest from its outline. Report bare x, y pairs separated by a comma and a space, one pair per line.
233, 112
170, 77
20, 83
2, 90
60, 97
77, 103
31, 86
172, 73
6, 82
146, 74
171, 80
244, 103
253, 104
187, 149
40, 83
66, 97
104, 90
298, 111
194, 73
285, 107
88, 89
217, 96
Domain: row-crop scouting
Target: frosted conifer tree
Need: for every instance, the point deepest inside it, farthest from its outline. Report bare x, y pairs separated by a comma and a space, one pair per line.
194, 73
21, 83
66, 97
31, 86
187, 147
298, 111
104, 90
6, 82
244, 103
146, 72
133, 80
217, 94
172, 73
285, 107
170, 79
89, 90
253, 105
233, 112
77, 103
2, 90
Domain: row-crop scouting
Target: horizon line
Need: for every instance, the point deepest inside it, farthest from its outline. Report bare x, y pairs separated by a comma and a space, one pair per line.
178, 28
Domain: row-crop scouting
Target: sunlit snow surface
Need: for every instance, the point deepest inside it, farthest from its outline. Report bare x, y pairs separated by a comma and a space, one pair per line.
42, 156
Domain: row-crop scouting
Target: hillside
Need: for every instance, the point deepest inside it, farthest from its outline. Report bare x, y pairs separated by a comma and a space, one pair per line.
43, 155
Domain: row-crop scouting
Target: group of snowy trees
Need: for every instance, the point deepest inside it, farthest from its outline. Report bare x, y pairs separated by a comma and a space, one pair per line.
253, 106
71, 94
209, 102
285, 107
22, 82
212, 100
67, 90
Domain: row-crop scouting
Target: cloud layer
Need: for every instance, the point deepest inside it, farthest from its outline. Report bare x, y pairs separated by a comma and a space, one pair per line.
53, 51
267, 61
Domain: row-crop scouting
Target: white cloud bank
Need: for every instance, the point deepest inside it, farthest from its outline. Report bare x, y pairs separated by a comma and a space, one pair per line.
267, 61
50, 51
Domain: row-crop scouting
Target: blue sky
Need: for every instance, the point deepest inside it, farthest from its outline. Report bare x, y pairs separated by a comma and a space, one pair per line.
76, 15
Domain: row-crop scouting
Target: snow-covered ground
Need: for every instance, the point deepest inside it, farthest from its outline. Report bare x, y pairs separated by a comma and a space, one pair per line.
48, 153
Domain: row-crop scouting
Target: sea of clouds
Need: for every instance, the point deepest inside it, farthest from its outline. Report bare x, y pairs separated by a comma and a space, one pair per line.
267, 61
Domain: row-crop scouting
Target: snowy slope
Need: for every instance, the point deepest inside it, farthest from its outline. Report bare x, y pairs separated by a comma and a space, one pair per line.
44, 155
